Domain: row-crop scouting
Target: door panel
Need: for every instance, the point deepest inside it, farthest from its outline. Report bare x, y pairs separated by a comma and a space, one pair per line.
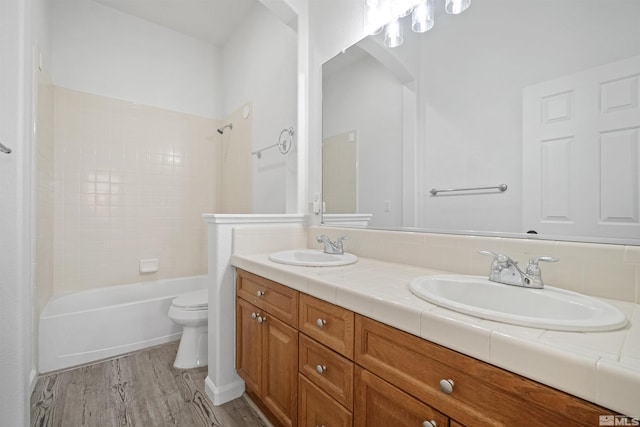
581, 150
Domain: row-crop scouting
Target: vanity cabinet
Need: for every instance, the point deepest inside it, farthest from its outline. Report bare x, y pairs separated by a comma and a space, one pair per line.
379, 404
267, 345
311, 363
473, 393
325, 363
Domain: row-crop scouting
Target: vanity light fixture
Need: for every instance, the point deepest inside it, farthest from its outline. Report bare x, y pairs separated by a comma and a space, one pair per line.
393, 36
387, 15
455, 7
422, 17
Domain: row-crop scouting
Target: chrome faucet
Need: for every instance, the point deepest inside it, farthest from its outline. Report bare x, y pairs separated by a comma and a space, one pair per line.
505, 270
331, 247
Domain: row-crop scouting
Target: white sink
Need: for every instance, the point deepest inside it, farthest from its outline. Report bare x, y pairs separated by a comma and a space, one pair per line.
548, 308
312, 258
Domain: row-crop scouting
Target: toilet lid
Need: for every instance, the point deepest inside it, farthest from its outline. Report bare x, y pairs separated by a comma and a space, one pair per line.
193, 300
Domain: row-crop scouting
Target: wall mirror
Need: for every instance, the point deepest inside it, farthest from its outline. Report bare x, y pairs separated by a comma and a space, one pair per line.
539, 95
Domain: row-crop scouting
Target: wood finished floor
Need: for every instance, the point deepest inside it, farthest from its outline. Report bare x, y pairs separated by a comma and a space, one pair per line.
138, 389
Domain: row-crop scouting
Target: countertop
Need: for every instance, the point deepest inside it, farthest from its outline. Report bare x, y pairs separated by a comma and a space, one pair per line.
601, 367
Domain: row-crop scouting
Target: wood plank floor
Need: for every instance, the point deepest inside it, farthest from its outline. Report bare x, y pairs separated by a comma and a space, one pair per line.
138, 389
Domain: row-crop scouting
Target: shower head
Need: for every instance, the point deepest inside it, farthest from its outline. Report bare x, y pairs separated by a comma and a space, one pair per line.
221, 130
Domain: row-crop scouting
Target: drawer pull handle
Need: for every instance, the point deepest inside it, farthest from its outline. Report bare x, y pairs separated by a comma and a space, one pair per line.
430, 423
321, 323
446, 386
260, 294
321, 369
257, 317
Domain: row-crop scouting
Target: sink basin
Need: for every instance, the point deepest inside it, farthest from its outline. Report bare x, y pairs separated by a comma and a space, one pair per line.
312, 258
548, 308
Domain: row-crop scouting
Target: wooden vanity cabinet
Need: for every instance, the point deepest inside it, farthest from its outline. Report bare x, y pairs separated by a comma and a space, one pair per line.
327, 323
379, 404
325, 363
267, 347
481, 395
311, 363
318, 408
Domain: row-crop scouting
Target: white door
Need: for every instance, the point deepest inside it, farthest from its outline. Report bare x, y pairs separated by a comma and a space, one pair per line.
581, 153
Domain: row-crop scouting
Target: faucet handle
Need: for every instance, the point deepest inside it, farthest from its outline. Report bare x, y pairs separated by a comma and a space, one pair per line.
496, 256
534, 268
535, 260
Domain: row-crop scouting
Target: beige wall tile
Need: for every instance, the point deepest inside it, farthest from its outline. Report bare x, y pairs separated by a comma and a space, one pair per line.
604, 270
131, 183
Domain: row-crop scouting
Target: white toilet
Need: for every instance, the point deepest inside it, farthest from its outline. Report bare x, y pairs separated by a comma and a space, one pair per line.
190, 310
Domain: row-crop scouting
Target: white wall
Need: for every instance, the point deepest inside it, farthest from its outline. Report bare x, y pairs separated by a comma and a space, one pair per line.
16, 350
105, 52
260, 66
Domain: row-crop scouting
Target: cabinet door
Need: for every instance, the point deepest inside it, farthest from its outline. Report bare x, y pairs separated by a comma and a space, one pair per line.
379, 404
317, 408
280, 381
249, 346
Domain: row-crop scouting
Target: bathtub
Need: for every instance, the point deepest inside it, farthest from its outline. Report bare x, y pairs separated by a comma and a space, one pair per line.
82, 327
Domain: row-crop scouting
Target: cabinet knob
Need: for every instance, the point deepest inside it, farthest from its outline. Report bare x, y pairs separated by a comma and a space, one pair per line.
260, 294
261, 319
430, 423
446, 385
321, 323
321, 369
254, 315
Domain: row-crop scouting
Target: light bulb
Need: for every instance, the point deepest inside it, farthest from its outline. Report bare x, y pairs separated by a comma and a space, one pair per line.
455, 7
375, 13
422, 17
393, 36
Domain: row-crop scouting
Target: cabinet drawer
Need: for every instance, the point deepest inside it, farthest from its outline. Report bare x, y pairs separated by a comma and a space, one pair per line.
317, 408
482, 394
379, 404
276, 299
327, 323
327, 369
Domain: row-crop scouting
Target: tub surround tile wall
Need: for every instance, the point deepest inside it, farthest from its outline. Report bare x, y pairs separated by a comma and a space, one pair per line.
603, 367
131, 183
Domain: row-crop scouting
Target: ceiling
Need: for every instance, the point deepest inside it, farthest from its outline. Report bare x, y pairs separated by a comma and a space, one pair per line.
212, 21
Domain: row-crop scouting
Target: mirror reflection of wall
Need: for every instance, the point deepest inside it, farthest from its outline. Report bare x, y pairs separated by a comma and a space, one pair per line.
339, 173
470, 71
362, 94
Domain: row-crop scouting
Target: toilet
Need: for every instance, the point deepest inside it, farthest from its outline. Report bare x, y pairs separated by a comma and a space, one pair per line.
190, 311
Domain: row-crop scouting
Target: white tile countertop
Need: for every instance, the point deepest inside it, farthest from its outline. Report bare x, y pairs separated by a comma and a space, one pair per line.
601, 367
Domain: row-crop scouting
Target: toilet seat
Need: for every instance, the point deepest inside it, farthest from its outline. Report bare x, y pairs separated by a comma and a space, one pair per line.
198, 300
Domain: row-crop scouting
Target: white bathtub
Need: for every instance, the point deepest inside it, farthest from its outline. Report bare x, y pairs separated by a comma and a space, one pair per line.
86, 326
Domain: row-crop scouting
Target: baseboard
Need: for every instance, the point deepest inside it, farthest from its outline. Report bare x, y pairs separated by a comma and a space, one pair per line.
257, 410
222, 395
